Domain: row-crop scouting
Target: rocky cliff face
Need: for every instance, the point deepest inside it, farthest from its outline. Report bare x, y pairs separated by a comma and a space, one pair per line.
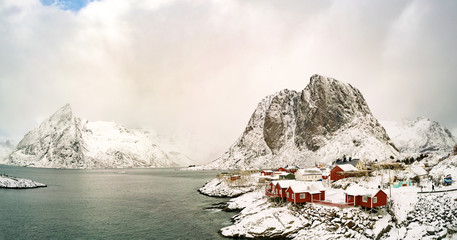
65, 141
56, 142
325, 121
420, 136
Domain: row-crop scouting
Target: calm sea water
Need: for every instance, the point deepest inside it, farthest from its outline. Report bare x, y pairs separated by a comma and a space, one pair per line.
106, 204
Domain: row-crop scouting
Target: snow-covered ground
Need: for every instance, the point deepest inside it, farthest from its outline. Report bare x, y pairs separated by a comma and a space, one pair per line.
419, 216
12, 182
412, 215
335, 195
445, 167
223, 187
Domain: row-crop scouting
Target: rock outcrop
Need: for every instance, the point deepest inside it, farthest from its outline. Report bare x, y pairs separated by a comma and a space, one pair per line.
18, 183
325, 121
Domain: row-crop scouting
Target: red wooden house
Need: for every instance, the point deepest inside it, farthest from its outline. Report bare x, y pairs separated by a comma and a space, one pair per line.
278, 188
235, 177
305, 192
337, 172
282, 186
369, 198
270, 189
266, 173
281, 169
291, 169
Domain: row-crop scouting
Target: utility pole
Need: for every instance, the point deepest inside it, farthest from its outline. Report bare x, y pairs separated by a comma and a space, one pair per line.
390, 183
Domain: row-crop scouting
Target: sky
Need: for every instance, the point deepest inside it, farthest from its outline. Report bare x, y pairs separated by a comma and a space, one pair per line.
197, 69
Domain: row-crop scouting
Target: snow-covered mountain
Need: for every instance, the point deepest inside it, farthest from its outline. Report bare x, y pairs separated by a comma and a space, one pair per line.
6, 147
66, 141
325, 121
419, 136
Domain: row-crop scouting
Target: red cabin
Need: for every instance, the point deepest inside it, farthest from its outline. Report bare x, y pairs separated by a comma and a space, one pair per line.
281, 187
368, 198
296, 195
266, 173
235, 177
281, 169
291, 169
305, 192
270, 190
337, 172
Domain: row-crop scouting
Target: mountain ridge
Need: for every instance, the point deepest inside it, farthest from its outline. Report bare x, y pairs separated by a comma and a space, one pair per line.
66, 141
420, 135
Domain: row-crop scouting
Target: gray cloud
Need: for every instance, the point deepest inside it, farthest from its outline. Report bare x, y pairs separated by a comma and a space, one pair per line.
198, 68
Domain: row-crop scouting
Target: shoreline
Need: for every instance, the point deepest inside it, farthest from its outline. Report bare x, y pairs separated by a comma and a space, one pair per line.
258, 217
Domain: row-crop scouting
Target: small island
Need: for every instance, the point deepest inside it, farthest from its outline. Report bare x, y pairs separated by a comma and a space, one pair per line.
18, 183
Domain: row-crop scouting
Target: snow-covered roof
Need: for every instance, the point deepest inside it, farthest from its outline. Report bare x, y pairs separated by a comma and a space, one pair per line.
291, 167
285, 183
267, 171
361, 191
347, 167
310, 171
281, 173
311, 187
353, 162
326, 172
418, 170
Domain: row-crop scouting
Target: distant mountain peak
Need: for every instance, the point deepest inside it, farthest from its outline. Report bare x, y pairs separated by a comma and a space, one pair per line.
317, 79
64, 141
420, 135
64, 110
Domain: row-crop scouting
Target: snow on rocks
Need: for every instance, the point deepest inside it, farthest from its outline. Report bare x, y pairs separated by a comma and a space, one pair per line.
336, 223
219, 187
18, 183
382, 224
263, 218
245, 200
404, 200
432, 217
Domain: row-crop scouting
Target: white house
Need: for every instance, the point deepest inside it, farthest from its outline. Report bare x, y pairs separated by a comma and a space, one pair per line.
308, 174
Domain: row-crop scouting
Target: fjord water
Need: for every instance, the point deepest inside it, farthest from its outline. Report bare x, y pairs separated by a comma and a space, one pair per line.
110, 204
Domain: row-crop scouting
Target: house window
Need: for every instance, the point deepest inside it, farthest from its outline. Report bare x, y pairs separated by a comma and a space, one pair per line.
364, 199
293, 196
287, 194
375, 199
302, 195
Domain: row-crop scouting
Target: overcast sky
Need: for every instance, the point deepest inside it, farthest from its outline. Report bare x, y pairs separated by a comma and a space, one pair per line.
197, 69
